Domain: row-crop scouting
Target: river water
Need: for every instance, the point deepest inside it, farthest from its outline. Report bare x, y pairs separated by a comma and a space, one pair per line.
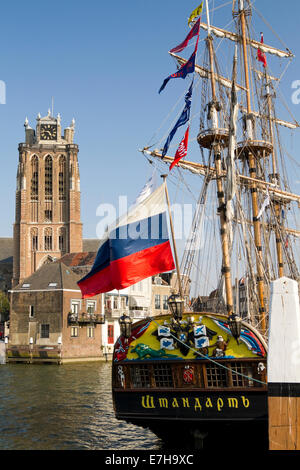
67, 407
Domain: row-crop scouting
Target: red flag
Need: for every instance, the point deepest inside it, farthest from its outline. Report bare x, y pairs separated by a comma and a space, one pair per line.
261, 56
287, 242
182, 149
194, 31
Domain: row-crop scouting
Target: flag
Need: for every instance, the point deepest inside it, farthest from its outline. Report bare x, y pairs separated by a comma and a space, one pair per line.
231, 164
197, 12
286, 245
147, 190
194, 31
182, 149
261, 56
136, 247
266, 203
184, 118
234, 107
188, 67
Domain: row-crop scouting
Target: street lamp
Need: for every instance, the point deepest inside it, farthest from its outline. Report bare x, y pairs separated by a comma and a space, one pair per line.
235, 325
176, 304
125, 326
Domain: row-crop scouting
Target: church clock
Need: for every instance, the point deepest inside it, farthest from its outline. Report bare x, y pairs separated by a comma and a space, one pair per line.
48, 132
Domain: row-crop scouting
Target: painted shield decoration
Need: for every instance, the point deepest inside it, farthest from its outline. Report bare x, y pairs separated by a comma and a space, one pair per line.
200, 330
164, 331
188, 375
202, 342
167, 343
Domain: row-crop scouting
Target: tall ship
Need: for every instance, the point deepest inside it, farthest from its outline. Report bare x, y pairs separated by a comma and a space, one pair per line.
200, 371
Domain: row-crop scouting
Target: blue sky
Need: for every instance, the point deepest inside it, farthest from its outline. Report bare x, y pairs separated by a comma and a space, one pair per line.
103, 62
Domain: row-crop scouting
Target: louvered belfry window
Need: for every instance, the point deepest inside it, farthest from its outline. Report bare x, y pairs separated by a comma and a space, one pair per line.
62, 178
34, 178
48, 177
48, 239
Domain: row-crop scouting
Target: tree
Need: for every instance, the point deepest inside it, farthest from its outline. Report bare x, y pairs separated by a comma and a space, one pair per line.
4, 307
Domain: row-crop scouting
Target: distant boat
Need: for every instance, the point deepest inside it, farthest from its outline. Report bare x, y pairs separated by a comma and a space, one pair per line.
2, 352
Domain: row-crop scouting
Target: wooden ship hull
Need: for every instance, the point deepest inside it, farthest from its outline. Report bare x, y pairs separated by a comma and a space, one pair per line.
188, 387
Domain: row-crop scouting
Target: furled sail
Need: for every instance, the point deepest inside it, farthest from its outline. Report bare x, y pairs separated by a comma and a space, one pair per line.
222, 33
200, 169
280, 122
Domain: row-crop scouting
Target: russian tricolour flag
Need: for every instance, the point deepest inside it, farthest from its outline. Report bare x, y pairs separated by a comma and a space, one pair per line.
135, 248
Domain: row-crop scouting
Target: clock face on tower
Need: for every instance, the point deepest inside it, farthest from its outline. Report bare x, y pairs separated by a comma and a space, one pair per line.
48, 132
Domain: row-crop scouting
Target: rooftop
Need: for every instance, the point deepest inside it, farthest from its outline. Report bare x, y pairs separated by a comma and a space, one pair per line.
79, 259
52, 276
90, 245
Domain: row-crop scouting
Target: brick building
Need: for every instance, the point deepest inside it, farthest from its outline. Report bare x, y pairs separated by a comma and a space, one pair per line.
48, 316
49, 320
47, 218
41, 266
135, 300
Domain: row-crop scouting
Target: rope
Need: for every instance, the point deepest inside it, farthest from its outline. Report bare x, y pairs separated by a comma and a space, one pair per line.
269, 26
211, 360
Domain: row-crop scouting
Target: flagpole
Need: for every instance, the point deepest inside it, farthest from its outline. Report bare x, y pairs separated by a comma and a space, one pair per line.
164, 177
208, 18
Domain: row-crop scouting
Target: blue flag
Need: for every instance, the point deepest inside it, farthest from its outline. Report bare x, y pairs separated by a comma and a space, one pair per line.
188, 67
184, 118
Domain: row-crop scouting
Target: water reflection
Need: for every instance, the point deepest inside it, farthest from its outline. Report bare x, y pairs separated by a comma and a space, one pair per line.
68, 407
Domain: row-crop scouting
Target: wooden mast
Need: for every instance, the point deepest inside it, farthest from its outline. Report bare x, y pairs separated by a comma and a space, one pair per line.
226, 268
275, 178
252, 170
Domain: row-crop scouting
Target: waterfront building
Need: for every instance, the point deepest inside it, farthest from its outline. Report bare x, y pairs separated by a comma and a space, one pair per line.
49, 320
134, 301
163, 285
6, 258
48, 316
161, 291
47, 218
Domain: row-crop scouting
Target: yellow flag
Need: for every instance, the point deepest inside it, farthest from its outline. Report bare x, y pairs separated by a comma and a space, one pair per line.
196, 12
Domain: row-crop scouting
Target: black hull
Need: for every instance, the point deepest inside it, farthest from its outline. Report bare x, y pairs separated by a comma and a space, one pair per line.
197, 419
208, 435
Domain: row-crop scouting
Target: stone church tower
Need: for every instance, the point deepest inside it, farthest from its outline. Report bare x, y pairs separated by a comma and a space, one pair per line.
47, 223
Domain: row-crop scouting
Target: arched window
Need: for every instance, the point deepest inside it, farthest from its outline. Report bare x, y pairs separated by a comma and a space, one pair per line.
34, 178
34, 239
62, 178
48, 177
62, 239
48, 239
